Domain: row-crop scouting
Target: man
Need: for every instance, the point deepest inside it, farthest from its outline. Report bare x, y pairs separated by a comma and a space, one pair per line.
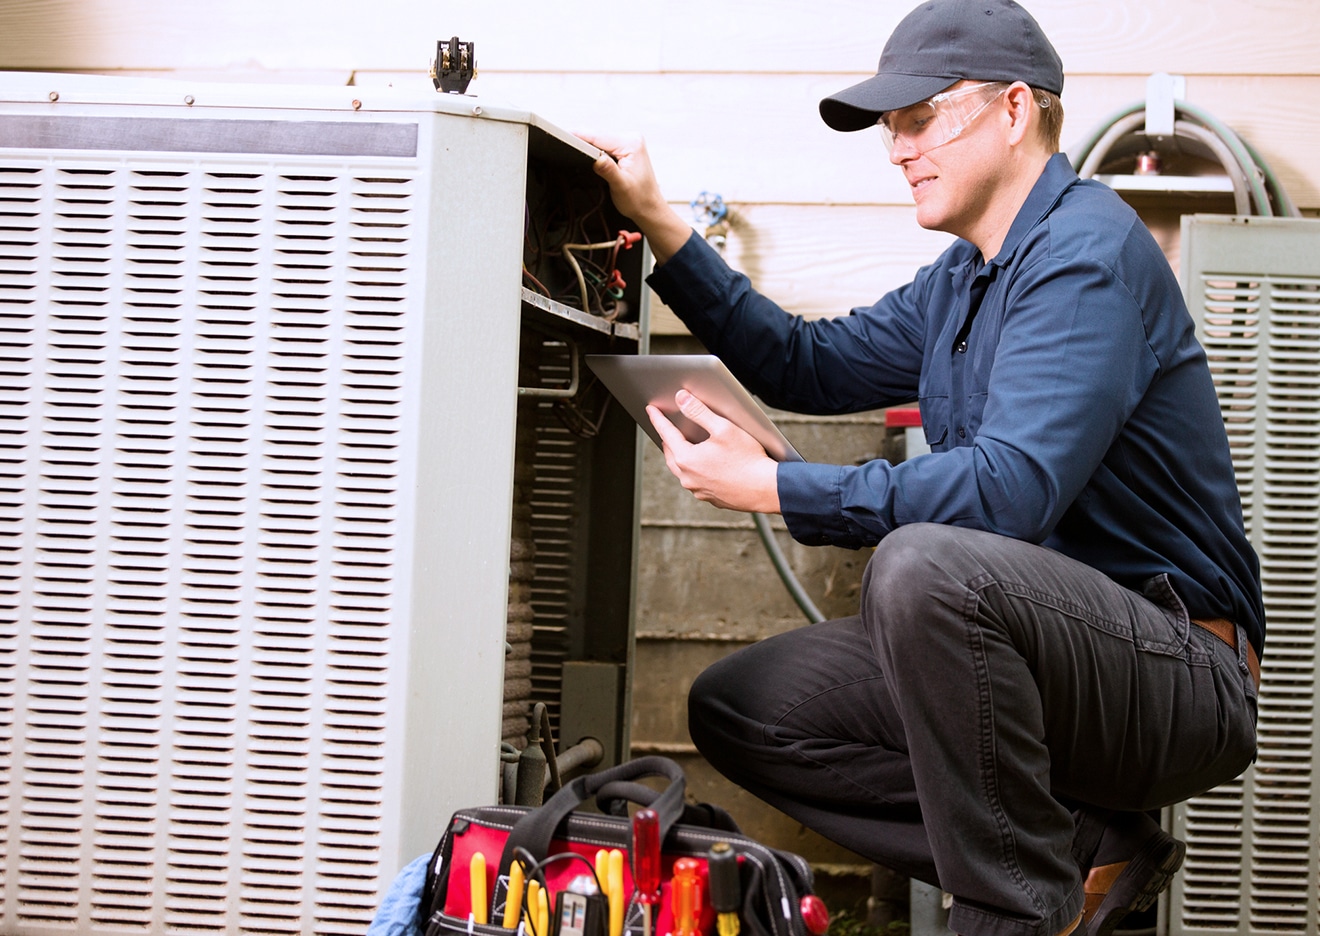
1061, 624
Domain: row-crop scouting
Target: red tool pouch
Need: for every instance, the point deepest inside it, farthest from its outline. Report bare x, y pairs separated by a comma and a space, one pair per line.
773, 882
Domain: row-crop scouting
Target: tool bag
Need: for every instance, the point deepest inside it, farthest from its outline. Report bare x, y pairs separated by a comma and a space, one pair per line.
773, 882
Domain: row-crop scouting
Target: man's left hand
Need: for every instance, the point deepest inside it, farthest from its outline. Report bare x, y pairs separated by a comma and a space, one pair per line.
730, 469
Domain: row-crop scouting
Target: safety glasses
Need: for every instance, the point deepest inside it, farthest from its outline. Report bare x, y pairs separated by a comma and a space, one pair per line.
939, 119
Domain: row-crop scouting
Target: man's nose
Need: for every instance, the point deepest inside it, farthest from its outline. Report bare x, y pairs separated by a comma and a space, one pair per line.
902, 151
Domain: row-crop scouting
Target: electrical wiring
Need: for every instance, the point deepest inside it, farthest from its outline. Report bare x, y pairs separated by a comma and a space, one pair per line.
571, 246
610, 272
573, 417
540, 287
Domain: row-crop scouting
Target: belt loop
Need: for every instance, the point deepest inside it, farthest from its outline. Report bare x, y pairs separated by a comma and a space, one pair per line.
1247, 654
1236, 638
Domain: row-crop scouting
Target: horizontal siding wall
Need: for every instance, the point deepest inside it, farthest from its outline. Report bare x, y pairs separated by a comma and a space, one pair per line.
726, 93
1275, 37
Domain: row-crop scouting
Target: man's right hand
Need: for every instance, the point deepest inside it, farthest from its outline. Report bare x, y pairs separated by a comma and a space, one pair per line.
625, 165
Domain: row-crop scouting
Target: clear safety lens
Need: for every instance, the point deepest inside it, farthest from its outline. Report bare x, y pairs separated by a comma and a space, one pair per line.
936, 121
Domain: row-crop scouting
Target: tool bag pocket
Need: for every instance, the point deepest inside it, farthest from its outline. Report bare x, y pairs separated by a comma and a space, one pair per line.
773, 882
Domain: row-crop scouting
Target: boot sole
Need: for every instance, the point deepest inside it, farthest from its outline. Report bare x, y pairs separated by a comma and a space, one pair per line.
1140, 884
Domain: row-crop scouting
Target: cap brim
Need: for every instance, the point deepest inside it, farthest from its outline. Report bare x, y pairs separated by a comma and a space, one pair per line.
860, 106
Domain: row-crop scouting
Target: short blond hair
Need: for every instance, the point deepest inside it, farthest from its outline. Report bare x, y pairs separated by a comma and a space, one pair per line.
1051, 118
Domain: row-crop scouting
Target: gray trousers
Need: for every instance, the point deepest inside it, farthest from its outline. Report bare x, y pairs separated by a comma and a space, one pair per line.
989, 696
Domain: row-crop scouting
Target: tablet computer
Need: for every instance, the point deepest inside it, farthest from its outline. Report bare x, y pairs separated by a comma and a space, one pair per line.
637, 380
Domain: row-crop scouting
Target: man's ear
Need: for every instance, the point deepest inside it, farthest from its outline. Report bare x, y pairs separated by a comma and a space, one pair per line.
1020, 108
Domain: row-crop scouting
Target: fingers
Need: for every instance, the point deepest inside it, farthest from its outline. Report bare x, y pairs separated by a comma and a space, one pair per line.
669, 433
602, 141
670, 437
729, 469
608, 169
626, 167
697, 411
617, 146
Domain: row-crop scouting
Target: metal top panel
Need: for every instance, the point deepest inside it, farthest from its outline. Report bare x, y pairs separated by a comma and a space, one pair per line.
52, 94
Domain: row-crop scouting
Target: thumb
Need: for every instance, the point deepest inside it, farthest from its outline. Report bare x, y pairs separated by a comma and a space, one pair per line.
697, 411
606, 167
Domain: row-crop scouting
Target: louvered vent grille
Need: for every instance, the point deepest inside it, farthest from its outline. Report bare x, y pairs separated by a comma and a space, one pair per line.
201, 379
1262, 335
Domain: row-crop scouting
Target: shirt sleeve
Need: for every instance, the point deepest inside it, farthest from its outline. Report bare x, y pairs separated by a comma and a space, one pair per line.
1071, 365
820, 366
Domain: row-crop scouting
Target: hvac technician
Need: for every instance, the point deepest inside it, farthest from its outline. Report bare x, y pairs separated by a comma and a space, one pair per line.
1061, 624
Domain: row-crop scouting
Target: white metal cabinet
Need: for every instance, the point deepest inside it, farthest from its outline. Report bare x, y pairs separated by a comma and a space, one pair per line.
1253, 286
258, 360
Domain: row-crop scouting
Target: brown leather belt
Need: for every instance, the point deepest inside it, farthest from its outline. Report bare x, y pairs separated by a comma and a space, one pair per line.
1227, 631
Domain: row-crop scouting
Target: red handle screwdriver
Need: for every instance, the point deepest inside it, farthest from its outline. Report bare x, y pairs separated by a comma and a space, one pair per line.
646, 863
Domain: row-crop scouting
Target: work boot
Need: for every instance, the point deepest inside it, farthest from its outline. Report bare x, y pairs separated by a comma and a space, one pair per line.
1133, 864
1077, 927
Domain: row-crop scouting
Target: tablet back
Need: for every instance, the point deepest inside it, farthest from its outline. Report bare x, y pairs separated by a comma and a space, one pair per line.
639, 380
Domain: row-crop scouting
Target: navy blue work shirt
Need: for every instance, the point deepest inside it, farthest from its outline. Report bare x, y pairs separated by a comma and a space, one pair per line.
1065, 397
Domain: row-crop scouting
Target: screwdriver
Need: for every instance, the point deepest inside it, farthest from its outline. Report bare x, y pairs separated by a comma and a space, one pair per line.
646, 863
477, 872
614, 875
513, 896
543, 912
725, 887
533, 902
685, 899
603, 870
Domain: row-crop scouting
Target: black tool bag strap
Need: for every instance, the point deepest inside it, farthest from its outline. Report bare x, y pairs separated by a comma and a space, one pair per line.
535, 830
613, 800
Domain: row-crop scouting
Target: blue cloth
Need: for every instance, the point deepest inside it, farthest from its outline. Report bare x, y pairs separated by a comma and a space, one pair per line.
397, 913
1065, 397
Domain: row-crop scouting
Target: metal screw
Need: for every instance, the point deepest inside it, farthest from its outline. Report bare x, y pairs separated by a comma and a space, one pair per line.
54, 96
188, 99
357, 105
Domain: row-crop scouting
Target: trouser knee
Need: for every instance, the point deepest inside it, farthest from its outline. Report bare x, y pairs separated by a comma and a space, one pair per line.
917, 581
710, 704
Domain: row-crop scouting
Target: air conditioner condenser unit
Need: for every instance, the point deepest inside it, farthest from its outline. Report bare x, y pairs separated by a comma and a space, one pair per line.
259, 353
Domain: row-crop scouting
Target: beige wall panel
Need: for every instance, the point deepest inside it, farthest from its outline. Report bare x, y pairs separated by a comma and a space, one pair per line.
317, 34
817, 260
726, 93
759, 138
772, 36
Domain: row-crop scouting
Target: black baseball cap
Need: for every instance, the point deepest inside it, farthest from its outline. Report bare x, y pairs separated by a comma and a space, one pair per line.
942, 42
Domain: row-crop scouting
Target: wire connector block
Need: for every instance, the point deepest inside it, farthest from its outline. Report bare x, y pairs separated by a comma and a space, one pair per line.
455, 65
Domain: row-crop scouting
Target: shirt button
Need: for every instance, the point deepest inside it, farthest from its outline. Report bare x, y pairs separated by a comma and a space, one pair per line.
962, 433
962, 347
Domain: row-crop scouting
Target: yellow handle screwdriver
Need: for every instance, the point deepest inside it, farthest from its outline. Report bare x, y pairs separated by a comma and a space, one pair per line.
533, 901
477, 870
513, 896
615, 890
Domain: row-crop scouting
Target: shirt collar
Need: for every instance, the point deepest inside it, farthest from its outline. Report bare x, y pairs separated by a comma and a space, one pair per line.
1057, 177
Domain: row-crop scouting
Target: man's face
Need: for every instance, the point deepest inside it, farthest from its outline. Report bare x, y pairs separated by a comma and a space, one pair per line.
950, 155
